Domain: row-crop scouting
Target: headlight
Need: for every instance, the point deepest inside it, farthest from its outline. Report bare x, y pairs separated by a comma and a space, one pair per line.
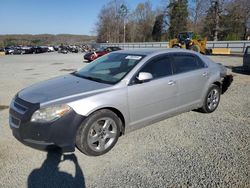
50, 113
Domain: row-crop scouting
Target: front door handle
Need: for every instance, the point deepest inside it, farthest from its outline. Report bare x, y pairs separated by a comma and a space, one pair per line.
171, 82
205, 74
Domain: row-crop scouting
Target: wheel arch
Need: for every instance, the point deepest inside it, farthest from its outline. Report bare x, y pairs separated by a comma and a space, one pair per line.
217, 83
118, 113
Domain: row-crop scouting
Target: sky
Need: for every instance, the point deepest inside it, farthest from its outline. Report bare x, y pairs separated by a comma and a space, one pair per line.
54, 16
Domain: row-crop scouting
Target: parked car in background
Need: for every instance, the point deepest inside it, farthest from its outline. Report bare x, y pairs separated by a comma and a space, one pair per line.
56, 48
18, 50
115, 94
246, 58
27, 50
72, 49
40, 49
99, 52
51, 49
63, 50
9, 50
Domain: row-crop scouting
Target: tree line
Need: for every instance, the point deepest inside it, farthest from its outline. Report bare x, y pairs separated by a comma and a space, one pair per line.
44, 39
214, 19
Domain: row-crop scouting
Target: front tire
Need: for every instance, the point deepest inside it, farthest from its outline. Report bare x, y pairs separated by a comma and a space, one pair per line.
98, 133
212, 99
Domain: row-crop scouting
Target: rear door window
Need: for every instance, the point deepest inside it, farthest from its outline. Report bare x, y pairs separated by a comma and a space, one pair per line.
185, 63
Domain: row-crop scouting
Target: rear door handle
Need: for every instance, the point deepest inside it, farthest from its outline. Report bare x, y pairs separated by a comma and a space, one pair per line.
171, 82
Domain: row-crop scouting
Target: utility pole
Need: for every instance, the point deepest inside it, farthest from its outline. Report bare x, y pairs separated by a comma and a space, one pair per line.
124, 30
123, 12
216, 6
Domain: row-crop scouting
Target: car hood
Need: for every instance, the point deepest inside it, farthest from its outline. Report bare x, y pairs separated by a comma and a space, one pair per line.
66, 88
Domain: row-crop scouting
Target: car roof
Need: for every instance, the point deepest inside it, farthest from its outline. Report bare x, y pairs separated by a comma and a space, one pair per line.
152, 51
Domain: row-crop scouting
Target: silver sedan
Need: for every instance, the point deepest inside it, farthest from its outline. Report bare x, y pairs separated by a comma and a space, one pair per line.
115, 94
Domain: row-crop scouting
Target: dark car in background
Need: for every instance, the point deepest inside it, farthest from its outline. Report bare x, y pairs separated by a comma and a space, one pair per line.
100, 52
56, 48
73, 49
27, 50
9, 50
18, 50
246, 58
63, 51
40, 49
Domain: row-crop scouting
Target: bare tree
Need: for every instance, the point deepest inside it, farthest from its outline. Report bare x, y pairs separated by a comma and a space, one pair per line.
197, 12
144, 17
244, 11
110, 22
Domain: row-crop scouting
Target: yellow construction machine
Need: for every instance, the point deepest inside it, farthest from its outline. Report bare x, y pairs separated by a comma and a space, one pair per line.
185, 40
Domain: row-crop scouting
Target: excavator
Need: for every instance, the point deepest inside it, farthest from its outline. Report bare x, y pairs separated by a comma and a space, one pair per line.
185, 40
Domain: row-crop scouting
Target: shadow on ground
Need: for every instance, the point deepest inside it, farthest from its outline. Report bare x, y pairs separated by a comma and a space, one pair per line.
48, 175
3, 107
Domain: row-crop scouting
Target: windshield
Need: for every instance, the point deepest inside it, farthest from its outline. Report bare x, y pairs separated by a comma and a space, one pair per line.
110, 68
184, 36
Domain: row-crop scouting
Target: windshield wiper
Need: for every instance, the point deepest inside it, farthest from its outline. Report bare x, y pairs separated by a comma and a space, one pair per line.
94, 79
91, 78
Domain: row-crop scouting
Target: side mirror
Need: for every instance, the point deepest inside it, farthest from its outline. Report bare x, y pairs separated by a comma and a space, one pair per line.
144, 77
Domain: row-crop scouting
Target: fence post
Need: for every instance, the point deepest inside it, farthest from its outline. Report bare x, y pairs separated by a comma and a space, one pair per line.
244, 46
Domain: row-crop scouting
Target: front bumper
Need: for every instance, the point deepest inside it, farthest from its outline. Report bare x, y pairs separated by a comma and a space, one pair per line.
60, 133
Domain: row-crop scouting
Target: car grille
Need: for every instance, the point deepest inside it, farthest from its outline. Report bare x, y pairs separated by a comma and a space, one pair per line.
20, 108
21, 111
14, 122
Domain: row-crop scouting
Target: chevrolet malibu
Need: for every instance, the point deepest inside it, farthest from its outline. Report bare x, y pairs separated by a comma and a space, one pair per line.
117, 93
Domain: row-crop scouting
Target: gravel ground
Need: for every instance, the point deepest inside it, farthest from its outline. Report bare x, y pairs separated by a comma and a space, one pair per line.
189, 150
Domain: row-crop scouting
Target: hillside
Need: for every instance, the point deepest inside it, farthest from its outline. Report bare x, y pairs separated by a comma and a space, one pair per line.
44, 39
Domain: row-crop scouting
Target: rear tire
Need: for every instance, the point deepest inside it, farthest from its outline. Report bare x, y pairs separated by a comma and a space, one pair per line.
98, 133
211, 100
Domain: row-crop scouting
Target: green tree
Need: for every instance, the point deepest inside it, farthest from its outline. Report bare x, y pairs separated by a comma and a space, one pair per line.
158, 27
209, 24
178, 15
227, 20
236, 19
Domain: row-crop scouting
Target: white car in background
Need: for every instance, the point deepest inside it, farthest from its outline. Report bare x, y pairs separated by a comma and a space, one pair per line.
51, 49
